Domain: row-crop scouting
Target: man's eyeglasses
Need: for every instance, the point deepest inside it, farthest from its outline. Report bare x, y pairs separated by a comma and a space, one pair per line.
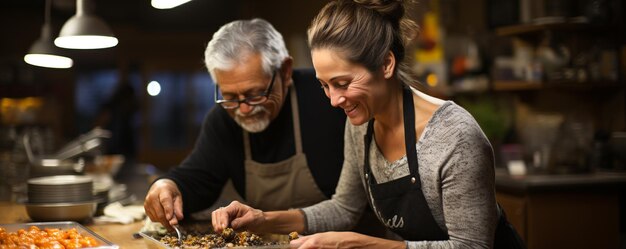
253, 100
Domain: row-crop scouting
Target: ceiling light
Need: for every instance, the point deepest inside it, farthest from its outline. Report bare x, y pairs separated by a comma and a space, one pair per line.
154, 88
85, 30
167, 4
43, 53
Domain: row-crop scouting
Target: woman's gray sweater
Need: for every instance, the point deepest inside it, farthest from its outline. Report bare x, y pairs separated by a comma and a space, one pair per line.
456, 167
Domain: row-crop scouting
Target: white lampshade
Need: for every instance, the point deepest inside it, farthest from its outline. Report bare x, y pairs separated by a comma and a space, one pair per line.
43, 53
167, 4
85, 30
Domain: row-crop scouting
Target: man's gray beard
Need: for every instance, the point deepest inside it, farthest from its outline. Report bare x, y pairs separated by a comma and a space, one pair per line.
256, 124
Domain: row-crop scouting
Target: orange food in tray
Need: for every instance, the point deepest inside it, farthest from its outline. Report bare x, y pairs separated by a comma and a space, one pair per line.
52, 238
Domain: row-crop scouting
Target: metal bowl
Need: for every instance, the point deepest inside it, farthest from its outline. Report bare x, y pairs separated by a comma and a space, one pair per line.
52, 167
77, 211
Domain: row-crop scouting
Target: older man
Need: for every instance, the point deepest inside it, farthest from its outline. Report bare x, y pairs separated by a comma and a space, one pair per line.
273, 133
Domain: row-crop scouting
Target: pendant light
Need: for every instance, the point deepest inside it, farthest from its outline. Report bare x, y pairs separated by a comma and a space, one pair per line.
167, 4
85, 30
43, 53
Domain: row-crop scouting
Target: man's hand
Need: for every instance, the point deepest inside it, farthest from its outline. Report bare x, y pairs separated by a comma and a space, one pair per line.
238, 216
164, 203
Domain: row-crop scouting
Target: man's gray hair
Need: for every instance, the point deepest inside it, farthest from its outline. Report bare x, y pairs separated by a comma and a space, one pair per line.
236, 40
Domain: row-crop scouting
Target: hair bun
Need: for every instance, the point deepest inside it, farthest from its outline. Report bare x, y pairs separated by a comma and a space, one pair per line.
390, 9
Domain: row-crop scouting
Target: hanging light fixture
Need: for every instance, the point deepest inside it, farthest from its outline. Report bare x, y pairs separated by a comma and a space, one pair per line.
167, 4
85, 30
43, 53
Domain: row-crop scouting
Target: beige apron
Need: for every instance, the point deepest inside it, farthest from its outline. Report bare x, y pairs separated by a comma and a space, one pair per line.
282, 185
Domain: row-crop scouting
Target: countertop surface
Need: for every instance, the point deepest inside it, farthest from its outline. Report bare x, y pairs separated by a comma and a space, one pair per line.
137, 182
596, 181
121, 235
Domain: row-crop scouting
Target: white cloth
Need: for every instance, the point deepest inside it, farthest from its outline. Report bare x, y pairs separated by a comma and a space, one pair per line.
117, 213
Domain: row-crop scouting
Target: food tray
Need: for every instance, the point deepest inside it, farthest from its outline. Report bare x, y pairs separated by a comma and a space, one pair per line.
64, 225
151, 233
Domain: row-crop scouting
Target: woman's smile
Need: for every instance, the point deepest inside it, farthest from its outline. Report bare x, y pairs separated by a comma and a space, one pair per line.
350, 110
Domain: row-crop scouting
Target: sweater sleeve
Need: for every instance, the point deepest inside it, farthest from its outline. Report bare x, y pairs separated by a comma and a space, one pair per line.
345, 207
466, 182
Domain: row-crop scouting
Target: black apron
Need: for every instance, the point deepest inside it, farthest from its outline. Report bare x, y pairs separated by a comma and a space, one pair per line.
400, 203
506, 235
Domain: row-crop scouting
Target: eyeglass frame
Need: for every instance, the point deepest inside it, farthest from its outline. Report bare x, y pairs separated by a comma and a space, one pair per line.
265, 95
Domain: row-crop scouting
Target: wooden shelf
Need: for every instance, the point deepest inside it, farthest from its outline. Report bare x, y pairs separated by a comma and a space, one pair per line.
519, 85
583, 85
534, 28
512, 85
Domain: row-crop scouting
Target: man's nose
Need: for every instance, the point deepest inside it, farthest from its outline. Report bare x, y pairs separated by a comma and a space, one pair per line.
244, 108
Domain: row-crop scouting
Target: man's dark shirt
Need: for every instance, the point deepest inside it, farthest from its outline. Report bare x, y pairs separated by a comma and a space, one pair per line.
219, 154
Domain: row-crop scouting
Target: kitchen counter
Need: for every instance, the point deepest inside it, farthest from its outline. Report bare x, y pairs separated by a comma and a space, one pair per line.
564, 211
121, 235
547, 183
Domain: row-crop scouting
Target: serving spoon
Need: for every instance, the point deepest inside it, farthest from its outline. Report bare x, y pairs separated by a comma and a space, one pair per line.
178, 234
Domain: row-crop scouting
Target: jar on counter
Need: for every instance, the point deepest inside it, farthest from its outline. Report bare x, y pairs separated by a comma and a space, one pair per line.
572, 149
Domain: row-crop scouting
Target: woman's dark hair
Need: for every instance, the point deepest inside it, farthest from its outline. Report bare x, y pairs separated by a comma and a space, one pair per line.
364, 31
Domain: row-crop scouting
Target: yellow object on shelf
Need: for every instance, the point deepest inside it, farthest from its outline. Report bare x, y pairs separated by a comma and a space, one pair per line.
20, 110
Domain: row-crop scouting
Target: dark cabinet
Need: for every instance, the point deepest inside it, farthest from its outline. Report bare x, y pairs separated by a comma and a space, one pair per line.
564, 211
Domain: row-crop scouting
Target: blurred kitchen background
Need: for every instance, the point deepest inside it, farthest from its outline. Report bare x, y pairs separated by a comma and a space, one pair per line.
544, 78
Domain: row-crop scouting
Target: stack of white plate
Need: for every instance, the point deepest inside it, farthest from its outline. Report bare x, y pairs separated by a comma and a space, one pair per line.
61, 197
60, 189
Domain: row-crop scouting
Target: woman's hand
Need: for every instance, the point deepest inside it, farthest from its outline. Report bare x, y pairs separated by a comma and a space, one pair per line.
238, 216
321, 240
343, 240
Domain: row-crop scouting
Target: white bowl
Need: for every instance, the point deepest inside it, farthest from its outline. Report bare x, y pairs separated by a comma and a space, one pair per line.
77, 211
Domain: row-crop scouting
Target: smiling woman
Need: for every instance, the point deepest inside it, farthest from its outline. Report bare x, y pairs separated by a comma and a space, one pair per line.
358, 51
350, 86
